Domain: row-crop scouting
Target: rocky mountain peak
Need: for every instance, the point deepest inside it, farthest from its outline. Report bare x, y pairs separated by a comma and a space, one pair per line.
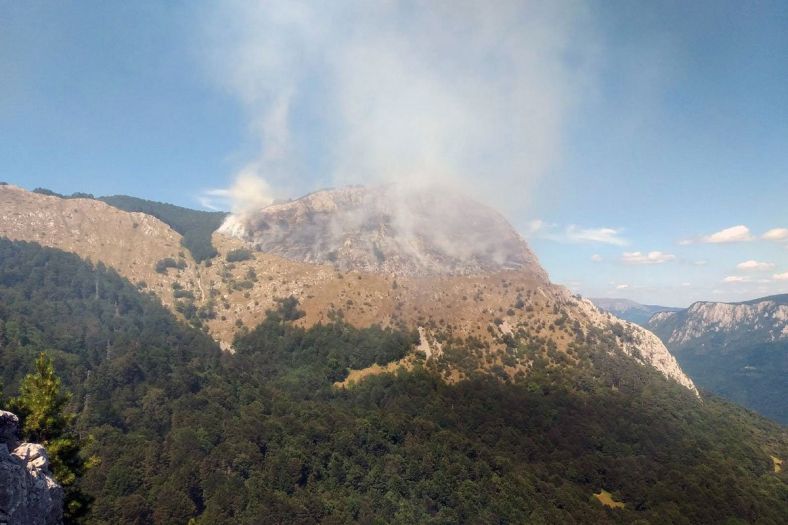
388, 230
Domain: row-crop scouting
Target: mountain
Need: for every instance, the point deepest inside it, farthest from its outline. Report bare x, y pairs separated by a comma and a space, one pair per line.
630, 310
737, 350
395, 263
185, 433
390, 230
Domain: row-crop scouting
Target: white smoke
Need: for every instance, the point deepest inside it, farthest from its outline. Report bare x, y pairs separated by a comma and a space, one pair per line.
470, 94
249, 192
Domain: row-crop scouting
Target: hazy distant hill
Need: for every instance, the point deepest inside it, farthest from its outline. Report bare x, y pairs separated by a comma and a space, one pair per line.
738, 350
630, 310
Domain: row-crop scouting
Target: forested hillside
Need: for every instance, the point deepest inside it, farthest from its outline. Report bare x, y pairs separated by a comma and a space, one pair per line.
263, 435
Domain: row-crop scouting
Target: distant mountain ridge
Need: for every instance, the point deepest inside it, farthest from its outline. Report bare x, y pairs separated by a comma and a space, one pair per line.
726, 324
737, 350
630, 310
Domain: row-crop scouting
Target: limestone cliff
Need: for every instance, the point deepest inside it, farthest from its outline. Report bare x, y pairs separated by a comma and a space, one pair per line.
765, 320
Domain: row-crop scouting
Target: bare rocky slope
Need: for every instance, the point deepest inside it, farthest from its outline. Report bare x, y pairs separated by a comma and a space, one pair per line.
28, 493
453, 269
388, 230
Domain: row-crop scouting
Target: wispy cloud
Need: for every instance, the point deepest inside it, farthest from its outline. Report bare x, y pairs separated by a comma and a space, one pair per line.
575, 234
596, 258
780, 276
612, 236
753, 265
735, 279
654, 257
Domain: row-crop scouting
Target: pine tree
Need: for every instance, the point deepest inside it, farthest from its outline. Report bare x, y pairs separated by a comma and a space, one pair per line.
42, 410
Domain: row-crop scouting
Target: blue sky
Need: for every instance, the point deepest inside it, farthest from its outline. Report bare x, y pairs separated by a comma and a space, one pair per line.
622, 136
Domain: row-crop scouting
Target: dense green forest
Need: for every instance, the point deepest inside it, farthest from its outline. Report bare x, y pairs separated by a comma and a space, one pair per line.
195, 226
184, 432
751, 374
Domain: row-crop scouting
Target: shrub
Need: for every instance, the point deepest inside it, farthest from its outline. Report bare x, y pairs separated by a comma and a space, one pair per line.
163, 264
181, 294
238, 255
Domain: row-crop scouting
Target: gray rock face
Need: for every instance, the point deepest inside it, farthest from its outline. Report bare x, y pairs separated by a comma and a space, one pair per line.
763, 320
28, 493
389, 230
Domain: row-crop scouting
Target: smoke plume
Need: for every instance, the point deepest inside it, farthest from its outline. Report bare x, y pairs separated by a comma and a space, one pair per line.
468, 94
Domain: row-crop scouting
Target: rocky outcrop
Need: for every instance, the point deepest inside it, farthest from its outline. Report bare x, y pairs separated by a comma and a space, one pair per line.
28, 493
763, 320
638, 343
389, 230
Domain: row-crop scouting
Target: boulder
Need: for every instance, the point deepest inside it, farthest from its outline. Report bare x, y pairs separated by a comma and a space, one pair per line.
29, 495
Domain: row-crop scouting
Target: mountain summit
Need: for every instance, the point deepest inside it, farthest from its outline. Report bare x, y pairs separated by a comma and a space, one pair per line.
389, 230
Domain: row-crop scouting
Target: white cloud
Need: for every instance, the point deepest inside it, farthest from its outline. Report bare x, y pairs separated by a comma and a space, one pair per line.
780, 276
622, 286
612, 236
701, 263
654, 257
776, 234
735, 279
686, 284
738, 233
596, 258
753, 265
